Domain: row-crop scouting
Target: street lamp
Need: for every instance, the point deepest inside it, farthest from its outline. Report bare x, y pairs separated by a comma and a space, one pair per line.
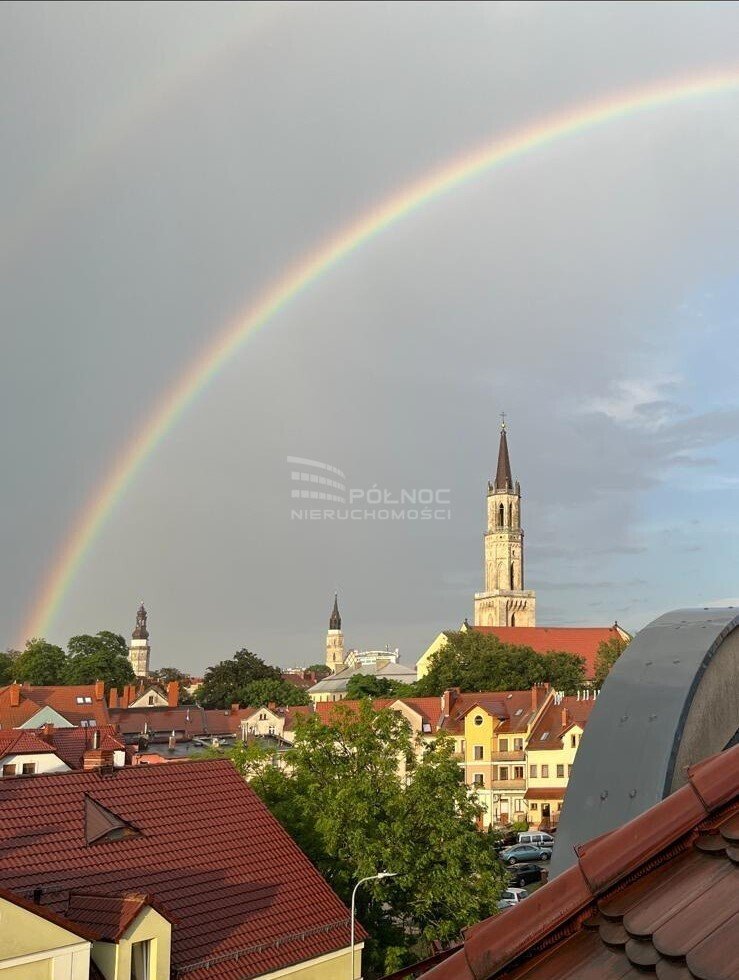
377, 877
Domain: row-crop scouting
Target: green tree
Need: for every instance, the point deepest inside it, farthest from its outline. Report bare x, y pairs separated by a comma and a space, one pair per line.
7, 668
100, 657
606, 656
258, 693
565, 671
224, 683
320, 670
475, 661
369, 686
41, 663
342, 800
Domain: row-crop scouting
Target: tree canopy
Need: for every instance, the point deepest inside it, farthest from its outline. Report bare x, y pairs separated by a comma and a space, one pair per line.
7, 668
100, 657
41, 663
224, 684
475, 661
606, 656
370, 686
258, 693
342, 800
320, 670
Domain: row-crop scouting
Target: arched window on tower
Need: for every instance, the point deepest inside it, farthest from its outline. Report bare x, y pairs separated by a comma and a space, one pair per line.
513, 619
512, 585
510, 515
501, 516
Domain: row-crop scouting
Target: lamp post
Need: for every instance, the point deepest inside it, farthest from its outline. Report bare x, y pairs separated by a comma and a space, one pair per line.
377, 877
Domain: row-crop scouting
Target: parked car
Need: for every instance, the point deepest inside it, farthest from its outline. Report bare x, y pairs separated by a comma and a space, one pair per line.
512, 896
507, 840
522, 853
525, 874
536, 837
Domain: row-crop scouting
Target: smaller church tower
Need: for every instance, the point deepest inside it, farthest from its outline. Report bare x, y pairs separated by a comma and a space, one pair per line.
139, 649
335, 639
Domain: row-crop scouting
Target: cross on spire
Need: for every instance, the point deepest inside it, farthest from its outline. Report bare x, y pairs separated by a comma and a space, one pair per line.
502, 420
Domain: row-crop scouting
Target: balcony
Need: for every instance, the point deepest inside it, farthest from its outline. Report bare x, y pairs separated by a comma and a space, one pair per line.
518, 755
506, 784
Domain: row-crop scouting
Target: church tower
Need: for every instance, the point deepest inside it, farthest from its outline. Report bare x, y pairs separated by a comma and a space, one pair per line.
335, 639
139, 649
504, 601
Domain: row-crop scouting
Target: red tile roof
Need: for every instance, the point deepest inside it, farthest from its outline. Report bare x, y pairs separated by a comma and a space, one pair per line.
20, 740
190, 721
557, 720
658, 894
63, 699
580, 640
245, 898
70, 744
108, 915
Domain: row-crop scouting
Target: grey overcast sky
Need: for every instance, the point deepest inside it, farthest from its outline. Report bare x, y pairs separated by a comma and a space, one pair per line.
163, 163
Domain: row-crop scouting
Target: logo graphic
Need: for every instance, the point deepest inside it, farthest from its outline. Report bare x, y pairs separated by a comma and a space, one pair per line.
315, 483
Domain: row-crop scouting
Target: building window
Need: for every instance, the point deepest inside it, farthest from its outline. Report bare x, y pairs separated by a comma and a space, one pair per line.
478, 752
29, 768
532, 772
569, 769
545, 772
518, 745
573, 741
478, 719
141, 961
151, 699
478, 779
560, 772
518, 772
533, 806
503, 744
271, 730
502, 772
9, 769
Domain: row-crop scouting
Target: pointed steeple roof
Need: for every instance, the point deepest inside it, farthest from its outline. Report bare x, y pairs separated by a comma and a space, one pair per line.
335, 622
503, 478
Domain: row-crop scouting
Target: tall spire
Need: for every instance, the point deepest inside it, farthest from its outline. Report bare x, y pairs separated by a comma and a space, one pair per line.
335, 622
503, 477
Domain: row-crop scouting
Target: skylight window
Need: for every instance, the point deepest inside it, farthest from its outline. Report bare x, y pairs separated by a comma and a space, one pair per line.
88, 700
519, 711
544, 736
80, 700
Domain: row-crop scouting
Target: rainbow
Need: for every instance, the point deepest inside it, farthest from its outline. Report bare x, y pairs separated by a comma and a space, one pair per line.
311, 268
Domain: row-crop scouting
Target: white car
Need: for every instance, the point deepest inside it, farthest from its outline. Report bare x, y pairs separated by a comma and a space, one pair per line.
536, 837
511, 897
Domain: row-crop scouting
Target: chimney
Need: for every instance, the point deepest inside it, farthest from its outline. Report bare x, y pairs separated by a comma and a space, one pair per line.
447, 700
565, 717
96, 739
173, 694
235, 708
125, 700
99, 690
15, 694
272, 705
113, 698
47, 733
97, 759
539, 693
